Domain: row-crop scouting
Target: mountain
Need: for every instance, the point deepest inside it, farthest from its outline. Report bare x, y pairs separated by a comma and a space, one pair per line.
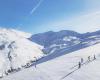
20, 33
48, 38
65, 40
16, 51
65, 67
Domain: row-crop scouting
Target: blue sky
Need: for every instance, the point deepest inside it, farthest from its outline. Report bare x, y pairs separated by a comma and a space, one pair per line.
37, 16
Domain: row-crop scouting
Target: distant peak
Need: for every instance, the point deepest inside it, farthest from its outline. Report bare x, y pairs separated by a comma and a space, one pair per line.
15, 31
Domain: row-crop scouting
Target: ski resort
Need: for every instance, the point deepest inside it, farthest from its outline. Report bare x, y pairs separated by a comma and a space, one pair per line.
65, 67
49, 39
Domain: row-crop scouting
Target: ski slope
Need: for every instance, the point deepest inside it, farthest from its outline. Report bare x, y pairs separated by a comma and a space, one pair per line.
62, 68
16, 51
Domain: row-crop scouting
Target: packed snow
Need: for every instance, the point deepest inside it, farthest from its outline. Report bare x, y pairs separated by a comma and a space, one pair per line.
64, 67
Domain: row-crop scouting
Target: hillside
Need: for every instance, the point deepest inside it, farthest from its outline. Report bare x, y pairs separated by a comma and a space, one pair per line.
63, 67
65, 41
16, 51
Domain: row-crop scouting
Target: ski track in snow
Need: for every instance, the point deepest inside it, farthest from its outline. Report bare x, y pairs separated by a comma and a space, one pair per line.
62, 68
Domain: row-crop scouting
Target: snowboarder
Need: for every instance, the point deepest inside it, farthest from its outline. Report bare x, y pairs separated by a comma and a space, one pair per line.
79, 65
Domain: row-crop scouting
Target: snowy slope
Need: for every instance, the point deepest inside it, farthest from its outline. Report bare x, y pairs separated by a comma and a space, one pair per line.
16, 51
62, 68
20, 33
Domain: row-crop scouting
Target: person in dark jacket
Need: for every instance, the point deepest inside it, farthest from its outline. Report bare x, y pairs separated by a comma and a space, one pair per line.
79, 65
81, 60
35, 64
94, 57
88, 58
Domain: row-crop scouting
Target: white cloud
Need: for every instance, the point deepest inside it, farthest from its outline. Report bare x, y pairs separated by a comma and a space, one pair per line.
88, 21
92, 5
84, 23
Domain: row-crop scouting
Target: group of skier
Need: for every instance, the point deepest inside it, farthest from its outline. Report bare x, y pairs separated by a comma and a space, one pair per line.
79, 63
82, 60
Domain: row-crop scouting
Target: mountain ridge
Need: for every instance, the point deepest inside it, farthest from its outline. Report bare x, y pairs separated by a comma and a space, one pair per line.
53, 41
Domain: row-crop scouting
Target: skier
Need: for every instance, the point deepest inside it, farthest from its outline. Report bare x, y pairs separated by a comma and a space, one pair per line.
94, 57
35, 65
88, 58
79, 65
81, 60
35, 62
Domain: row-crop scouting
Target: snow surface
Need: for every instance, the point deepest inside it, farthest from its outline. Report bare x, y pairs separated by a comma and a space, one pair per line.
64, 67
20, 33
16, 50
69, 38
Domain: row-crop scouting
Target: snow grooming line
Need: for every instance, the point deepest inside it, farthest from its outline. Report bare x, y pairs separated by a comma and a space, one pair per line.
85, 63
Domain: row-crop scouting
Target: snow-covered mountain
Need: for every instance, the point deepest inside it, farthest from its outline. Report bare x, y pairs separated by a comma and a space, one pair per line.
65, 67
16, 51
64, 40
20, 33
